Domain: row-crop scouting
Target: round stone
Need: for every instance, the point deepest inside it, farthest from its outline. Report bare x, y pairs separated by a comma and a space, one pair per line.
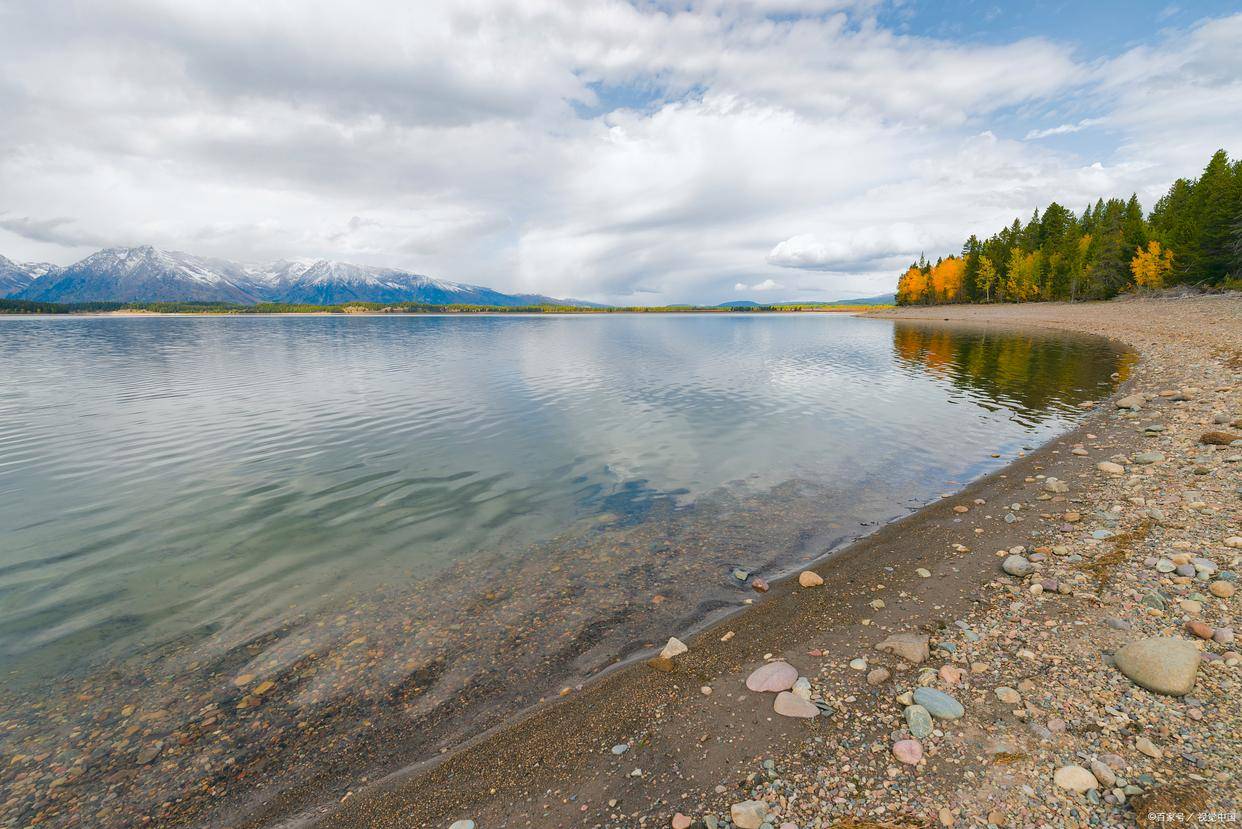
808, 578
1200, 629
878, 676
789, 704
908, 751
939, 704
1161, 664
1222, 589
918, 721
1075, 778
772, 677
1017, 566
1008, 695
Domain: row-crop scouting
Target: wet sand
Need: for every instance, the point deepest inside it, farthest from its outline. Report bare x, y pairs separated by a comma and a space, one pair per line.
692, 752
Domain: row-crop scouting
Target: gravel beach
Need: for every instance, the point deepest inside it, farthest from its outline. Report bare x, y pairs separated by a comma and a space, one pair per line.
1052, 646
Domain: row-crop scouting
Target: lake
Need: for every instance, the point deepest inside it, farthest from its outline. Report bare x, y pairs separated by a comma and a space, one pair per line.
435, 521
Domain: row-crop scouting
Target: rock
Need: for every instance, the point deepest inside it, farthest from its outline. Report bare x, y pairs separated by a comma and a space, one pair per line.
1221, 589
1103, 773
662, 664
620, 748
749, 814
1075, 778
149, 752
912, 647
1200, 629
923, 572
1130, 401
908, 751
680, 821
1110, 468
808, 578
878, 676
1218, 438
1223, 636
802, 688
1056, 486
675, 647
1234, 542
759, 585
462, 824
1161, 664
1146, 746
789, 704
859, 664
773, 677
1148, 457
939, 704
950, 674
1008, 695
918, 720
1017, 566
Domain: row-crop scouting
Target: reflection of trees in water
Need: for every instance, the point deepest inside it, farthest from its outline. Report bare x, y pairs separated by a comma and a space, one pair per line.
1029, 373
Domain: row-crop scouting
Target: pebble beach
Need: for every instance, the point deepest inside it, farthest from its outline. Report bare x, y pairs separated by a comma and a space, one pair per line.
1055, 645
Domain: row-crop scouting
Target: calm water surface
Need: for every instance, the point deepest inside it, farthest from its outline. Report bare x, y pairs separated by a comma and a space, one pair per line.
214, 496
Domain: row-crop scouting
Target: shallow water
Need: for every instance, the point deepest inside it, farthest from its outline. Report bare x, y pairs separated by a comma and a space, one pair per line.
367, 510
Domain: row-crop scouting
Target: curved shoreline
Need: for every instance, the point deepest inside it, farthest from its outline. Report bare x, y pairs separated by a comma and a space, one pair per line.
499, 778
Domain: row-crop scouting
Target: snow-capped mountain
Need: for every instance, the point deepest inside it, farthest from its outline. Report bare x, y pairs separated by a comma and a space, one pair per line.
146, 274
15, 276
142, 274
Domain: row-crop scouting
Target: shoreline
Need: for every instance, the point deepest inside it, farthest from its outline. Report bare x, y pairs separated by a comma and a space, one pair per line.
560, 312
502, 777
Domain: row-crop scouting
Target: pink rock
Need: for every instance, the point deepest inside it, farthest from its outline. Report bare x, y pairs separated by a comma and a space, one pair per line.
680, 821
950, 674
772, 677
908, 751
789, 704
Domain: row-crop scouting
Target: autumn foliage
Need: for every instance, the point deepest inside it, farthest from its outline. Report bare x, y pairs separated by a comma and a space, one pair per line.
1194, 235
925, 284
1151, 267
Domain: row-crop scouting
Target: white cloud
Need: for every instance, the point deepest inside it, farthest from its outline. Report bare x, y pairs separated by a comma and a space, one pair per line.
482, 139
1064, 129
765, 285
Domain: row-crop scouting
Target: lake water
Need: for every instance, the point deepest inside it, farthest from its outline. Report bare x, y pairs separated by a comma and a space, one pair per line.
367, 511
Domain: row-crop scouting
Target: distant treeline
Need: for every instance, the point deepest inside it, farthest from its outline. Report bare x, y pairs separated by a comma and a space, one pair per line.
20, 306
1193, 236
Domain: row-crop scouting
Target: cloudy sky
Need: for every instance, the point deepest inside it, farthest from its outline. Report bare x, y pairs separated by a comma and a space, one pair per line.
631, 152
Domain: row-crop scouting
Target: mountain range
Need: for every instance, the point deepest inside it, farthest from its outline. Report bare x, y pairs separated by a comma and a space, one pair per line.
147, 274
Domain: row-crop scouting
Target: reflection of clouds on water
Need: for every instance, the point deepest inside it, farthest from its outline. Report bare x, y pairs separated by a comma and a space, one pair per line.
189, 477
416, 527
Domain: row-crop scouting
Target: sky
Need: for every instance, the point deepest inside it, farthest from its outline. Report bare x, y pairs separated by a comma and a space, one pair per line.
623, 152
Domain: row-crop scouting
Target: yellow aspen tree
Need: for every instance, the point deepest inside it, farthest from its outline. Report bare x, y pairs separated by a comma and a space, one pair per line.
1152, 266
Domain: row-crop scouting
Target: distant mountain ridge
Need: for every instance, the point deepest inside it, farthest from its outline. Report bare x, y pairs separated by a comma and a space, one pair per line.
15, 276
148, 274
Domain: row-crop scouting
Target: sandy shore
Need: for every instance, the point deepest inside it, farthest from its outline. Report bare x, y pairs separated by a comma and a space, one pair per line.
1029, 658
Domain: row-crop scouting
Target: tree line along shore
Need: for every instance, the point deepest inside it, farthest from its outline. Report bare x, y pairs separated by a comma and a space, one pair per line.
1192, 237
